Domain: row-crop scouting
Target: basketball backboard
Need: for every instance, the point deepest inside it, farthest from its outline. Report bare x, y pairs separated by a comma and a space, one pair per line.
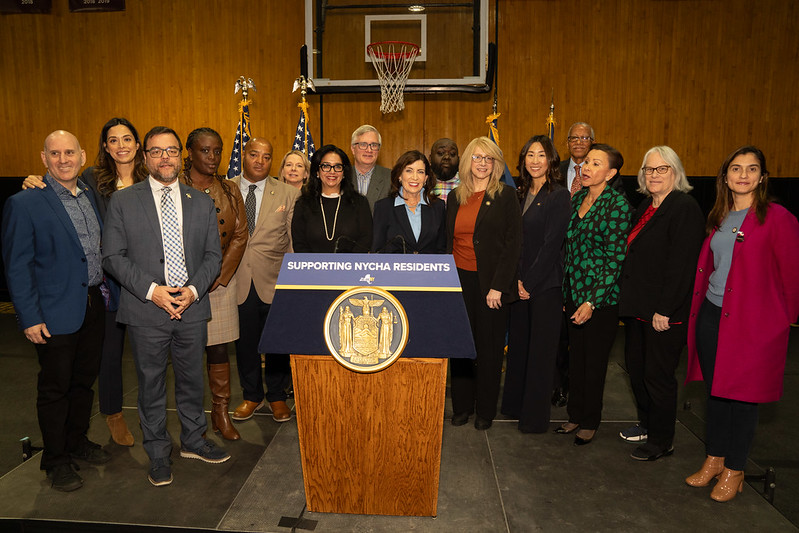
452, 37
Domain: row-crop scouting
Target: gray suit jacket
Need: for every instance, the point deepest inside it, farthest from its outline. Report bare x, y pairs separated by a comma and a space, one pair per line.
133, 251
379, 185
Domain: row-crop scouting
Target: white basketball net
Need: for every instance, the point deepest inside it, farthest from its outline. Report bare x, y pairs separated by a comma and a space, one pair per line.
393, 62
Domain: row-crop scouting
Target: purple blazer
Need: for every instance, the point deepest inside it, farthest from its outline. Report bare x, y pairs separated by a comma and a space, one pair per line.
761, 300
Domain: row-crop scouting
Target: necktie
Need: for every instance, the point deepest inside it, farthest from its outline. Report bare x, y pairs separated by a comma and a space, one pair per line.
249, 208
173, 246
577, 184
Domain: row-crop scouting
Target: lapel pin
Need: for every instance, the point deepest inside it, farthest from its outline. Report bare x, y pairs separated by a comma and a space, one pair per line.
739, 237
188, 195
488, 202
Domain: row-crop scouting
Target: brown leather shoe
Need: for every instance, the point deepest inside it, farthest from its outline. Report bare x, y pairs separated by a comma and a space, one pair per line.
280, 411
712, 467
219, 383
731, 482
246, 410
119, 429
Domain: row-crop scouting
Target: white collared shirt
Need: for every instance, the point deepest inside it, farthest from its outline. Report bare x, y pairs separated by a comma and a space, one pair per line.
244, 187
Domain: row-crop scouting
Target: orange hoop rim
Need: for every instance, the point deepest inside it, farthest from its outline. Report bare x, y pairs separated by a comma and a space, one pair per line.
372, 48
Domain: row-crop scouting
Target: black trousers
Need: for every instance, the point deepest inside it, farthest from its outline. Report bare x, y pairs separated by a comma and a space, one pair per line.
652, 358
533, 338
589, 350
109, 382
562, 359
277, 367
68, 367
731, 424
476, 381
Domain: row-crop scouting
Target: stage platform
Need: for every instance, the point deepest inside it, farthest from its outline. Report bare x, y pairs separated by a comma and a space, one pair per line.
498, 480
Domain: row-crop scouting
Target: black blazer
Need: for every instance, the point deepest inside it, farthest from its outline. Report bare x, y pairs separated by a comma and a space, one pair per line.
393, 233
497, 240
544, 227
658, 272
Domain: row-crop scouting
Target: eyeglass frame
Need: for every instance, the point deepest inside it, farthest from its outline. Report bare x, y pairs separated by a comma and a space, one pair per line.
375, 147
161, 152
649, 171
331, 168
575, 138
480, 158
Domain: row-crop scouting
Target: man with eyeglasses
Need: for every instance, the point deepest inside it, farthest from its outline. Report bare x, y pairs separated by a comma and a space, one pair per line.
579, 140
269, 205
370, 179
51, 249
162, 244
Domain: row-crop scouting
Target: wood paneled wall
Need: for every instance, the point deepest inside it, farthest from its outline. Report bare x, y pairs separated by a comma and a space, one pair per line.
703, 76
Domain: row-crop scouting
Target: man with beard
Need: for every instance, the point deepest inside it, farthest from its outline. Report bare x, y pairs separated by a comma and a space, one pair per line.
444, 161
270, 206
161, 243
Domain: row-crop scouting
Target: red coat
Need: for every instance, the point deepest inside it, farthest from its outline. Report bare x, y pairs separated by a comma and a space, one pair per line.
761, 300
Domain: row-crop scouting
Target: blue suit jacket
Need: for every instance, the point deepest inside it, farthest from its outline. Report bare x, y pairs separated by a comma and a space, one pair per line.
133, 251
45, 265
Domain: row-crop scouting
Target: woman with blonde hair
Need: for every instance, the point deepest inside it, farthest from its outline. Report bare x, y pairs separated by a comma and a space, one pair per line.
484, 234
295, 168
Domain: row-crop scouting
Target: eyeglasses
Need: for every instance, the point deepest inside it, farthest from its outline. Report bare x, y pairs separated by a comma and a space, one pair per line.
662, 169
480, 158
364, 146
574, 139
327, 167
158, 152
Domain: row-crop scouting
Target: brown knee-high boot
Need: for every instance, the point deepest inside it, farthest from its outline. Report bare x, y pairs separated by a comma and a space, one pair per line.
219, 383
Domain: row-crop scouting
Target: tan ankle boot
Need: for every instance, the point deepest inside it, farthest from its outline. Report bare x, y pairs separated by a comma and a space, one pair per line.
731, 482
712, 467
119, 429
219, 383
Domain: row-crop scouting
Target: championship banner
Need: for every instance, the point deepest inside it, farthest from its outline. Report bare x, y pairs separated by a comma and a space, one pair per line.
26, 6
96, 5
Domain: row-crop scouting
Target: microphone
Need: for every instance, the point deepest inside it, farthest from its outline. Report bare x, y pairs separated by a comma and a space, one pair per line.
396, 237
348, 240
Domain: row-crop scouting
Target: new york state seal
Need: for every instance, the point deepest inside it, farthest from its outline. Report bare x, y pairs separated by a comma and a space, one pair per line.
366, 329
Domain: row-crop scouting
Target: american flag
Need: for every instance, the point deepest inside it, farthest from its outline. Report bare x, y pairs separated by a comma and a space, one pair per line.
302, 139
242, 136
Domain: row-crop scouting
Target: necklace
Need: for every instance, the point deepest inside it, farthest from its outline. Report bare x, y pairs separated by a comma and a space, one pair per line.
328, 236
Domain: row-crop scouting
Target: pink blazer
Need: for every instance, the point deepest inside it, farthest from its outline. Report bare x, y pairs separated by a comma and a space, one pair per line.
761, 300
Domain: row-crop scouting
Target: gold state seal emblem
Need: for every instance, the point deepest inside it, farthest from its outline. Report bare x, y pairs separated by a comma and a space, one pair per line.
366, 329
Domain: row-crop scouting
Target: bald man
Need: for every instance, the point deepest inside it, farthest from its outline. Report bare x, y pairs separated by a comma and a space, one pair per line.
51, 249
269, 204
444, 161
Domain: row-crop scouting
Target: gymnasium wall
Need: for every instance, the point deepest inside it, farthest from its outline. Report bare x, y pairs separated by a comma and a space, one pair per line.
703, 76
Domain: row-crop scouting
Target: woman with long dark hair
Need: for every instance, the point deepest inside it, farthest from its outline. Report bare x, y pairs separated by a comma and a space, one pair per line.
204, 147
330, 216
412, 219
119, 164
746, 295
535, 320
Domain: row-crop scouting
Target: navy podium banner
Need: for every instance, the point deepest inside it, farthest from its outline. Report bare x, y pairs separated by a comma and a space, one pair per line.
426, 285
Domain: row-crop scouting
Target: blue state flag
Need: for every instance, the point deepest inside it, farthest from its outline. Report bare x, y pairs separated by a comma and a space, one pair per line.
241, 138
493, 134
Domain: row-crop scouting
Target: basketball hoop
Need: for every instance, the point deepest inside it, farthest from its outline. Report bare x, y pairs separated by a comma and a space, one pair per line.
392, 61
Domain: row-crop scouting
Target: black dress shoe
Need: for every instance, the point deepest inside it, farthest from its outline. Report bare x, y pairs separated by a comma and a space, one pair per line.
460, 419
647, 452
582, 441
560, 398
482, 424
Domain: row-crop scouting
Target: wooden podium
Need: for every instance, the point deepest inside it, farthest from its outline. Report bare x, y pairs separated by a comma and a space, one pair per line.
370, 443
